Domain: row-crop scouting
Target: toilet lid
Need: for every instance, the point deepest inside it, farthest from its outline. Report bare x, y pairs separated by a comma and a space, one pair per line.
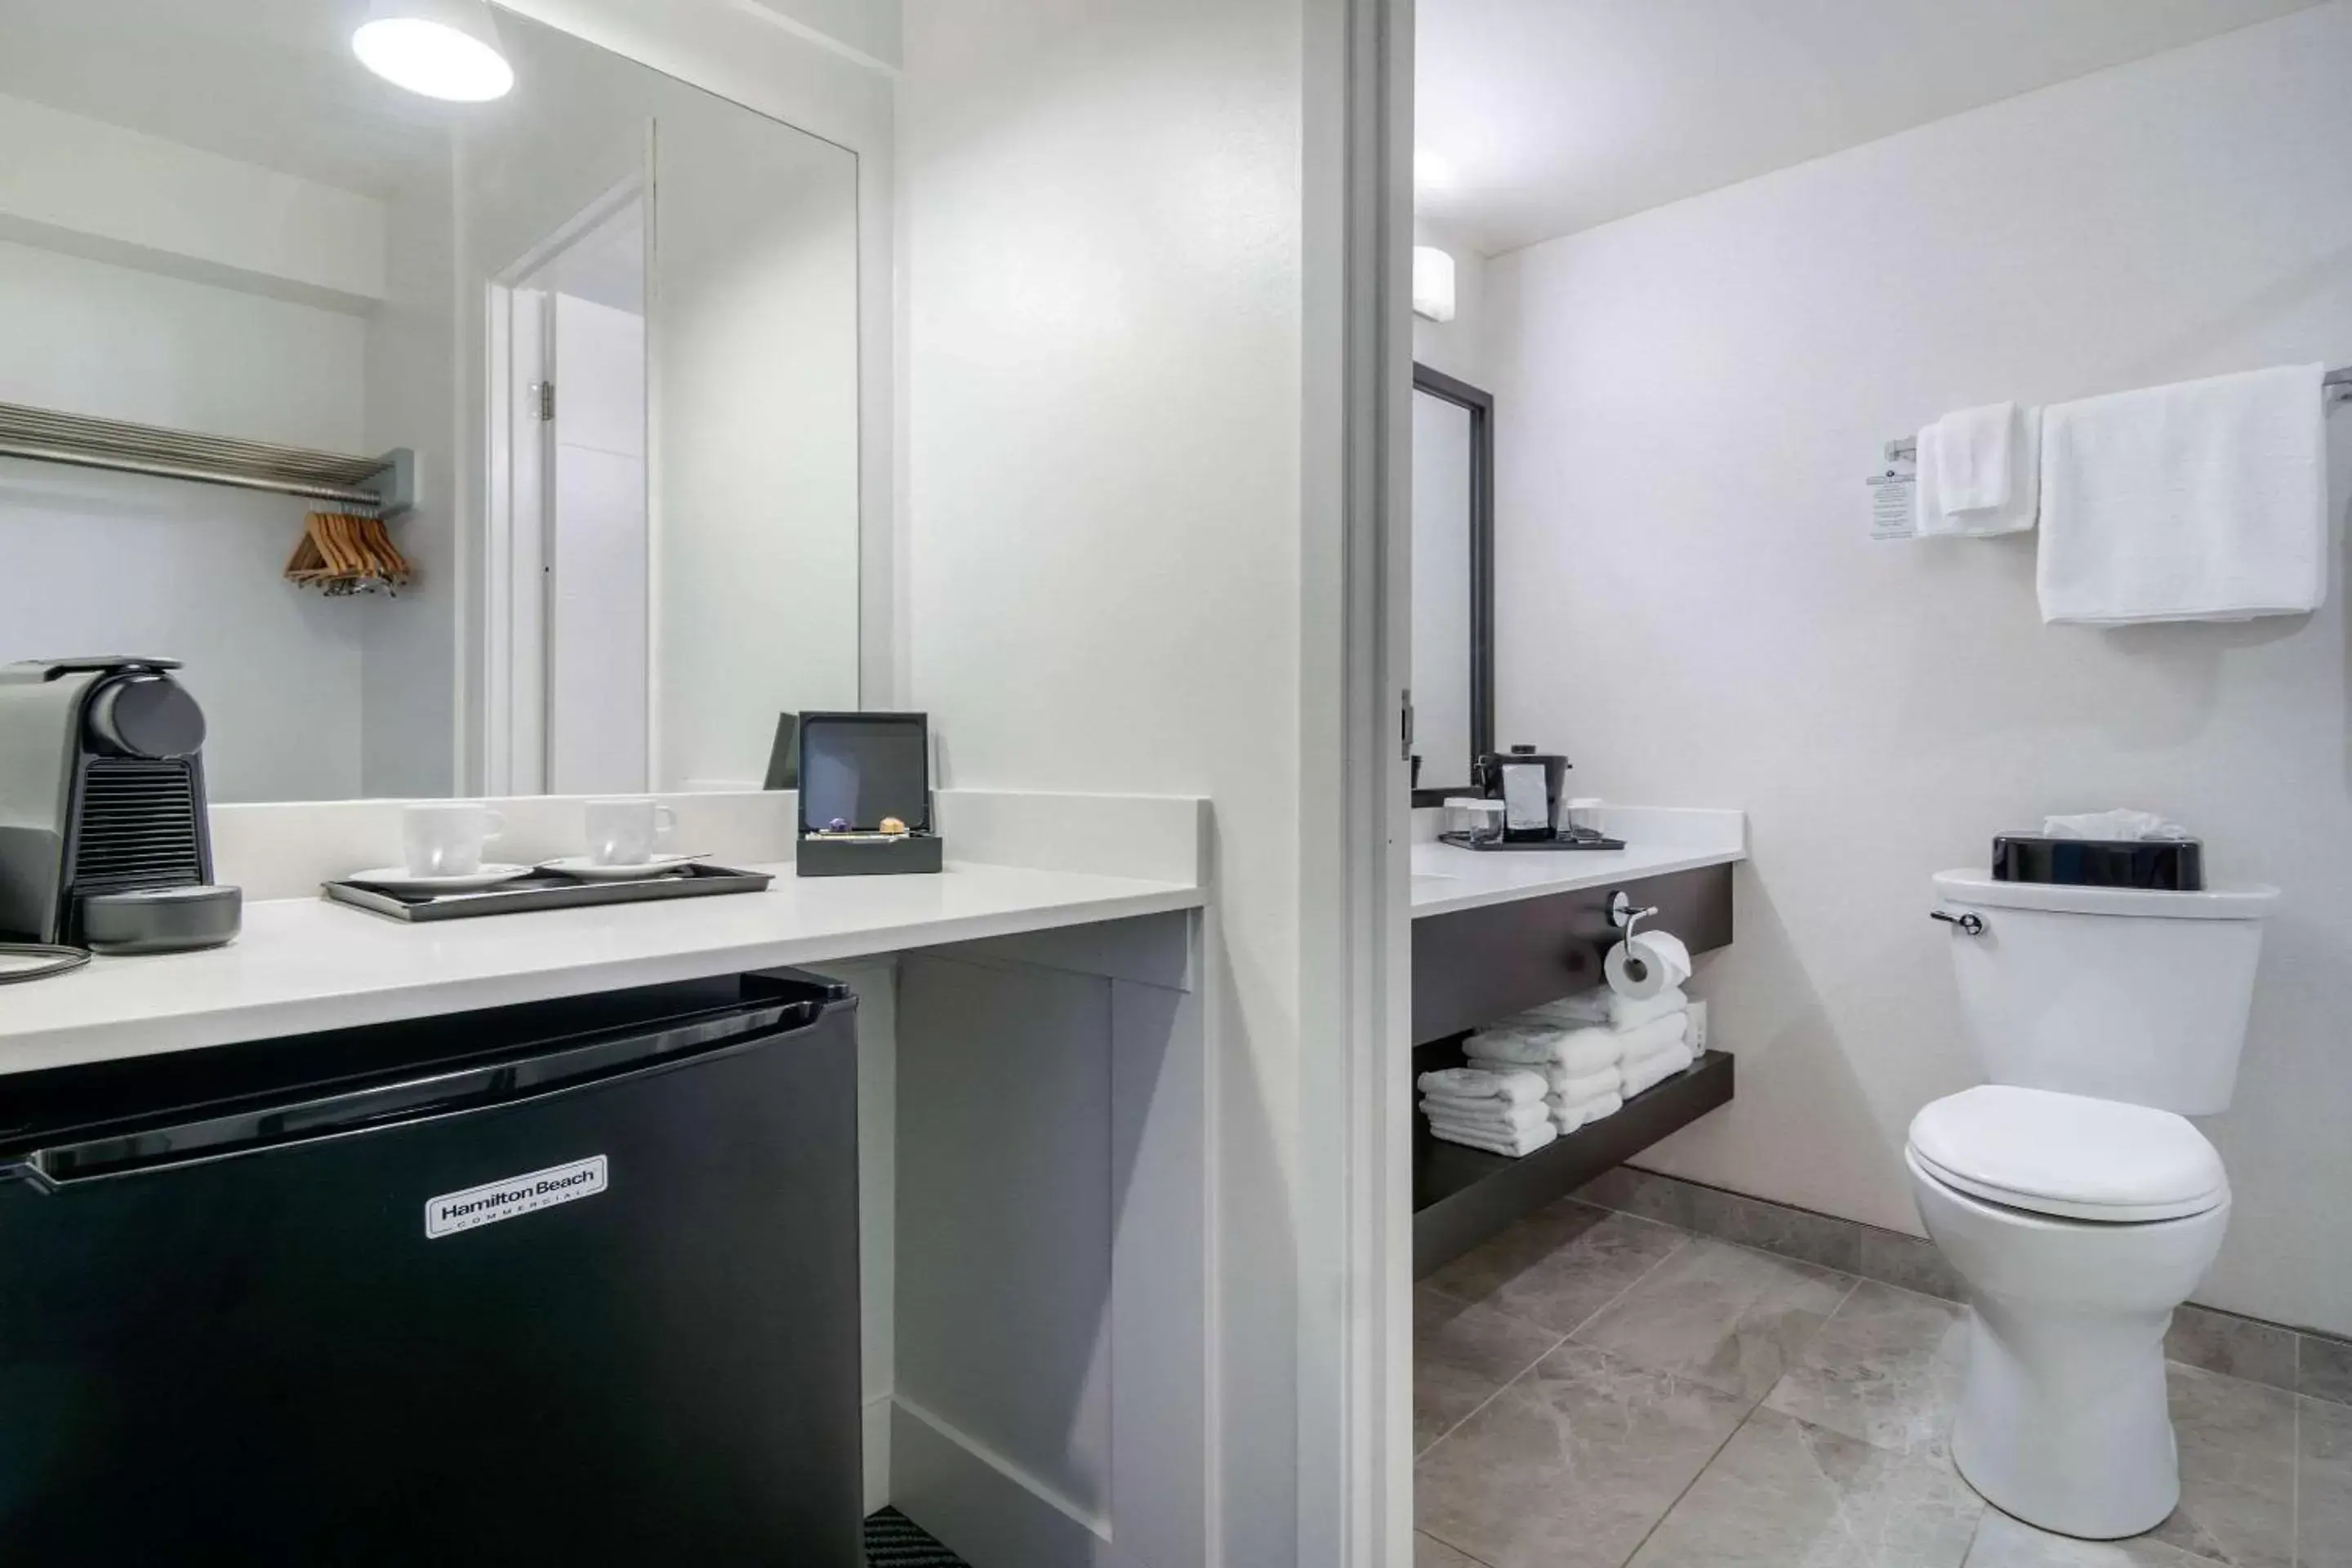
2068, 1155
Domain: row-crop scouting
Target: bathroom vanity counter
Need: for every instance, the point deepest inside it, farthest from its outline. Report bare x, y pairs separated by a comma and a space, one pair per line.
304, 965
1447, 879
1495, 933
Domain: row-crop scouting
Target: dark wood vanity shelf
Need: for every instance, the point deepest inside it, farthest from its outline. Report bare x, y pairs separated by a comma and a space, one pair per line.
1472, 967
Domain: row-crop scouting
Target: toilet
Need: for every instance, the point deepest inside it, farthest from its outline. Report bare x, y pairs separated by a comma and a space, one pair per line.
2070, 1191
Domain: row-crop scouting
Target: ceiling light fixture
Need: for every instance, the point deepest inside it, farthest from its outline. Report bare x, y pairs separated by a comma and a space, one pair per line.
442, 48
1433, 283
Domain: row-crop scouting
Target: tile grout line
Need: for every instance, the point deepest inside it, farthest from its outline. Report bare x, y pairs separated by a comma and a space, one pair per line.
1562, 1340
1853, 1283
1664, 1258
1499, 1389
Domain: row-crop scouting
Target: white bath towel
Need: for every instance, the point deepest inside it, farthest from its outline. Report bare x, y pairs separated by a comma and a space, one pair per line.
1478, 1083
1562, 1084
1574, 1012
1513, 1048
1499, 1114
2201, 501
1979, 472
1568, 1118
1655, 1068
1526, 1141
1604, 1008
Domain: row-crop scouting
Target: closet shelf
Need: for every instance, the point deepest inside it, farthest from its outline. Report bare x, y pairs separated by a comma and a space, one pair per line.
384, 485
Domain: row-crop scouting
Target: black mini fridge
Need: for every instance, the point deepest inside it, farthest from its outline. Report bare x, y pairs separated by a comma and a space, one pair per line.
571, 1283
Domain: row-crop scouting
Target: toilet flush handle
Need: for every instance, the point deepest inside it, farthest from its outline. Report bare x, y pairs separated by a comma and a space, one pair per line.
1971, 924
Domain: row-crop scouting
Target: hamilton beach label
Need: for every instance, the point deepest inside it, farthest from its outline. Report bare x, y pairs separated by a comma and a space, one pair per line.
514, 1197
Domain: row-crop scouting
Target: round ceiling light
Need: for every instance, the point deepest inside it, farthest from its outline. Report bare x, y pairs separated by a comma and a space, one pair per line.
442, 48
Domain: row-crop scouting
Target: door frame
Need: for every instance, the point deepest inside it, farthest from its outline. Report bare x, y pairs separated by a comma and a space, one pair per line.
519, 332
1355, 1309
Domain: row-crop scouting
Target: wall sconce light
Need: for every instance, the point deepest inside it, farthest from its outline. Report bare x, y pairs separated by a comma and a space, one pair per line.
1433, 283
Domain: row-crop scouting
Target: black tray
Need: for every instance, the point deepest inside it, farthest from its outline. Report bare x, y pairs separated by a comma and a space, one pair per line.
1496, 847
545, 890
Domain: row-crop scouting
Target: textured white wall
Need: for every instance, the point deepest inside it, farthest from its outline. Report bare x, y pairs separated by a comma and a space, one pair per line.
1691, 606
1103, 290
112, 563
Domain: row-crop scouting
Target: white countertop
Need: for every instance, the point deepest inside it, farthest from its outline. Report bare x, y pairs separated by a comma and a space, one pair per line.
1446, 881
304, 965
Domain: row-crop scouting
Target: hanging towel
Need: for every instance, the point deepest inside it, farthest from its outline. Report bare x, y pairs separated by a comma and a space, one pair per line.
1527, 1141
1473, 1083
2203, 501
1655, 1068
1979, 472
1491, 1113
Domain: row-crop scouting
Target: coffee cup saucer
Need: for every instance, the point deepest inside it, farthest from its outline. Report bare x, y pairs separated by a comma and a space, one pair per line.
588, 868
400, 880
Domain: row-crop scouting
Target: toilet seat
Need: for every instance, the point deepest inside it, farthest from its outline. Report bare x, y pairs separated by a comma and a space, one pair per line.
2069, 1155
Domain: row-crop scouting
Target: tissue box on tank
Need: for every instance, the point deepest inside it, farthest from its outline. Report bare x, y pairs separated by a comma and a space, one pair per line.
2166, 865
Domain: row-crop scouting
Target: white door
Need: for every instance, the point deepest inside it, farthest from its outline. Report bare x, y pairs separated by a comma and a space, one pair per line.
596, 551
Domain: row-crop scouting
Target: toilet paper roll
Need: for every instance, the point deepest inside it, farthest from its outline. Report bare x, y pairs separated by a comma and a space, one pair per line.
1640, 969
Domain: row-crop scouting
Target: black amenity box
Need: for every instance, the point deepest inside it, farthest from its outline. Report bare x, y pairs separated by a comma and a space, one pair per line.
856, 770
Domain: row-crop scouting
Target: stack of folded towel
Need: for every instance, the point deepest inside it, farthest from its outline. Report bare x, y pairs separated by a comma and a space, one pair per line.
1595, 1049
1501, 1110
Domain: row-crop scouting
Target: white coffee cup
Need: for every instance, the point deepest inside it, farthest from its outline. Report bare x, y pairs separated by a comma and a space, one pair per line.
444, 838
623, 832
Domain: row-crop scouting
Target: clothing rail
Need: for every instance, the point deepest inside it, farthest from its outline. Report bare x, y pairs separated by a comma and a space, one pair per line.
2336, 383
384, 485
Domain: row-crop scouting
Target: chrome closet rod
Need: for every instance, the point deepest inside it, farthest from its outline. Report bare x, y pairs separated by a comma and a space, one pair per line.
124, 463
1907, 447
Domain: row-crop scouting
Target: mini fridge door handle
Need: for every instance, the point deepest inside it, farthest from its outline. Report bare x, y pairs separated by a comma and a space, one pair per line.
590, 1062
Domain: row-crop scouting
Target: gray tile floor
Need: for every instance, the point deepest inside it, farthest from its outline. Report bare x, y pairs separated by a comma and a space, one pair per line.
1594, 1389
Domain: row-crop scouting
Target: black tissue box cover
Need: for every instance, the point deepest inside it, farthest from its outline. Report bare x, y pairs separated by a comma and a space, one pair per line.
2165, 865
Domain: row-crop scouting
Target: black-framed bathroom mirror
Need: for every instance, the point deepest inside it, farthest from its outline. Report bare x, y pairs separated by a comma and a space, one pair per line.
1453, 581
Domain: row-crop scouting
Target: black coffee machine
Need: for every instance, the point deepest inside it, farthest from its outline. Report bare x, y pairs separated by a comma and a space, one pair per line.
103, 838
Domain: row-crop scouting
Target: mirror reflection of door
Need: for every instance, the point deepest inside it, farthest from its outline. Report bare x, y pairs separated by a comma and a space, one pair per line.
581, 588
1452, 582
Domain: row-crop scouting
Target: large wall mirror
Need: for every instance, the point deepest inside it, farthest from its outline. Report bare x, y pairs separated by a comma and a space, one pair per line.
613, 318
1452, 582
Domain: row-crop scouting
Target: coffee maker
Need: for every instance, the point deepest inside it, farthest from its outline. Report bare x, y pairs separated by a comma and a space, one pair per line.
103, 838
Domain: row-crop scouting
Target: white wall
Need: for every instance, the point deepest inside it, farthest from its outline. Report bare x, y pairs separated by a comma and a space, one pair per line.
409, 735
1691, 607
108, 562
121, 194
1104, 284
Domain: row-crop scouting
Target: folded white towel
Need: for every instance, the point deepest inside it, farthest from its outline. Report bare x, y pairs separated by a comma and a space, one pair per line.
1654, 1036
1513, 1048
1626, 1013
1568, 1118
1526, 1141
1478, 1083
1574, 1012
1655, 1068
1562, 1084
2201, 501
1500, 1114
1979, 472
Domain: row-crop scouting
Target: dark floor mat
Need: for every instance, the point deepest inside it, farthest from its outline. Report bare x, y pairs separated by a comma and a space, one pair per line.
893, 1540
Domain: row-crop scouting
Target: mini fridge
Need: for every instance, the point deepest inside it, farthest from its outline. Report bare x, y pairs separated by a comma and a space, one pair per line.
571, 1283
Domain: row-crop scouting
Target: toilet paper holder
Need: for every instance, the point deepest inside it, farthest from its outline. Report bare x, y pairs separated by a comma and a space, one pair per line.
1624, 916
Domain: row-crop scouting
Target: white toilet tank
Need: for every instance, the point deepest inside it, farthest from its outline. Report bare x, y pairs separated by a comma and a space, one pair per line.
2118, 993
